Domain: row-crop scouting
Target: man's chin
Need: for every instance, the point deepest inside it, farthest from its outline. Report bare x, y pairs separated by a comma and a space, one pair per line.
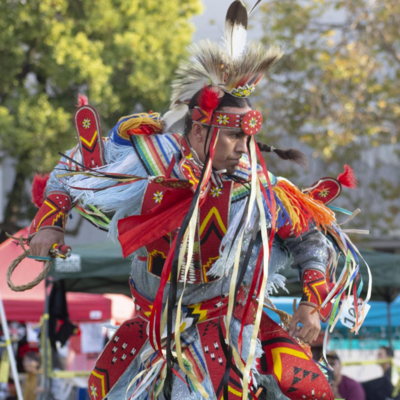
230, 171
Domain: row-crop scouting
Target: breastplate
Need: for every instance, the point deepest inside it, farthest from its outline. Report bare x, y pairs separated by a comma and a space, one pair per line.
212, 224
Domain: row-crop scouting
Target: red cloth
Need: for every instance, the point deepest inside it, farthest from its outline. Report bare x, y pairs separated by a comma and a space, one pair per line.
138, 230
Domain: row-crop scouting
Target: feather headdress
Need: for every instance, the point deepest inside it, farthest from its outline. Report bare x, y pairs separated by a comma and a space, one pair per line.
233, 68
211, 66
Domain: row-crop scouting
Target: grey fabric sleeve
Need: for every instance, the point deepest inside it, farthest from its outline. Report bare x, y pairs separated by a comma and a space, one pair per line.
310, 250
61, 183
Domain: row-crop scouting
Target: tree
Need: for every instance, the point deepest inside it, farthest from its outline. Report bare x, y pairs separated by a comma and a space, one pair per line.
121, 53
337, 91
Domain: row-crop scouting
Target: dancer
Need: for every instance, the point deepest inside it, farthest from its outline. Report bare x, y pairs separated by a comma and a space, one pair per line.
209, 229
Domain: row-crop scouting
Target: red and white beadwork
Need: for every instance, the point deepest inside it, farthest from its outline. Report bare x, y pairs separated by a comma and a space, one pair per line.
251, 123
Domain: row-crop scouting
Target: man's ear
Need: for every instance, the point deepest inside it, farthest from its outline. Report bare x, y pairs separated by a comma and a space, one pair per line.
197, 132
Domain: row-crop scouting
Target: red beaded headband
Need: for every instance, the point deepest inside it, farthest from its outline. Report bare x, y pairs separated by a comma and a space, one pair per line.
249, 122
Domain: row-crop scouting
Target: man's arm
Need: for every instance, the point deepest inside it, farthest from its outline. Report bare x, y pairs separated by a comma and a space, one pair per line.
48, 226
312, 253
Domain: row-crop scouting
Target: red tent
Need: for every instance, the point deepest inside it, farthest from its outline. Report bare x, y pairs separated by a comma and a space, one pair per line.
29, 305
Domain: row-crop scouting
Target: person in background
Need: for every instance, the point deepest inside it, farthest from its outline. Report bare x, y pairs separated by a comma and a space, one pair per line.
385, 352
343, 387
381, 388
31, 364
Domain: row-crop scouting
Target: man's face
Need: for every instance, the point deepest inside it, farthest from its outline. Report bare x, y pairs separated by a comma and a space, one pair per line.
230, 146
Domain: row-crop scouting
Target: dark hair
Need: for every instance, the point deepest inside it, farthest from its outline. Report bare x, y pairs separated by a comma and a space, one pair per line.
31, 355
389, 351
294, 155
226, 101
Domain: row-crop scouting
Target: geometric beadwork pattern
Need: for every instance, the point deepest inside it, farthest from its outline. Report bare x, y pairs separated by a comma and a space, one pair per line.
315, 291
215, 360
87, 124
116, 357
297, 375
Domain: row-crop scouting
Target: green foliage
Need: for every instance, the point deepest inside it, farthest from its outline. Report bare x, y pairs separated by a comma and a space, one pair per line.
337, 88
121, 53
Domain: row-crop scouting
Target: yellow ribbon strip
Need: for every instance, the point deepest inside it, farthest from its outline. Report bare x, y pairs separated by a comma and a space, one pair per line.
4, 368
70, 374
369, 362
264, 237
5, 343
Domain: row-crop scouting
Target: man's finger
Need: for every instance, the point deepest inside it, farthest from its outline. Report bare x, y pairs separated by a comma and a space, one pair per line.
302, 334
32, 249
315, 335
293, 326
309, 337
44, 251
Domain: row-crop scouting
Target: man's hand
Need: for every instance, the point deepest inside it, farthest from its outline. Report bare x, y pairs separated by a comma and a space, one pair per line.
41, 243
311, 324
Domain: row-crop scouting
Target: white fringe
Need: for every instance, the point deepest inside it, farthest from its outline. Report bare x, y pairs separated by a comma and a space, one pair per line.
275, 282
122, 200
247, 333
224, 264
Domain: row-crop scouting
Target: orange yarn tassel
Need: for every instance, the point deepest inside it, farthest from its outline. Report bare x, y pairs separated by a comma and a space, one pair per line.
304, 207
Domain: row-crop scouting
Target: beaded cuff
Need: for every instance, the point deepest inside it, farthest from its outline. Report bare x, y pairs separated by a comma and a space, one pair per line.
53, 213
315, 291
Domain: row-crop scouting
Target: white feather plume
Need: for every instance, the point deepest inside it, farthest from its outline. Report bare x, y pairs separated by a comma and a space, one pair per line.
174, 120
235, 32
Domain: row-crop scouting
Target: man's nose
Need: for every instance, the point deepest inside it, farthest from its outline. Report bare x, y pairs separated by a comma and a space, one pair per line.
241, 145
